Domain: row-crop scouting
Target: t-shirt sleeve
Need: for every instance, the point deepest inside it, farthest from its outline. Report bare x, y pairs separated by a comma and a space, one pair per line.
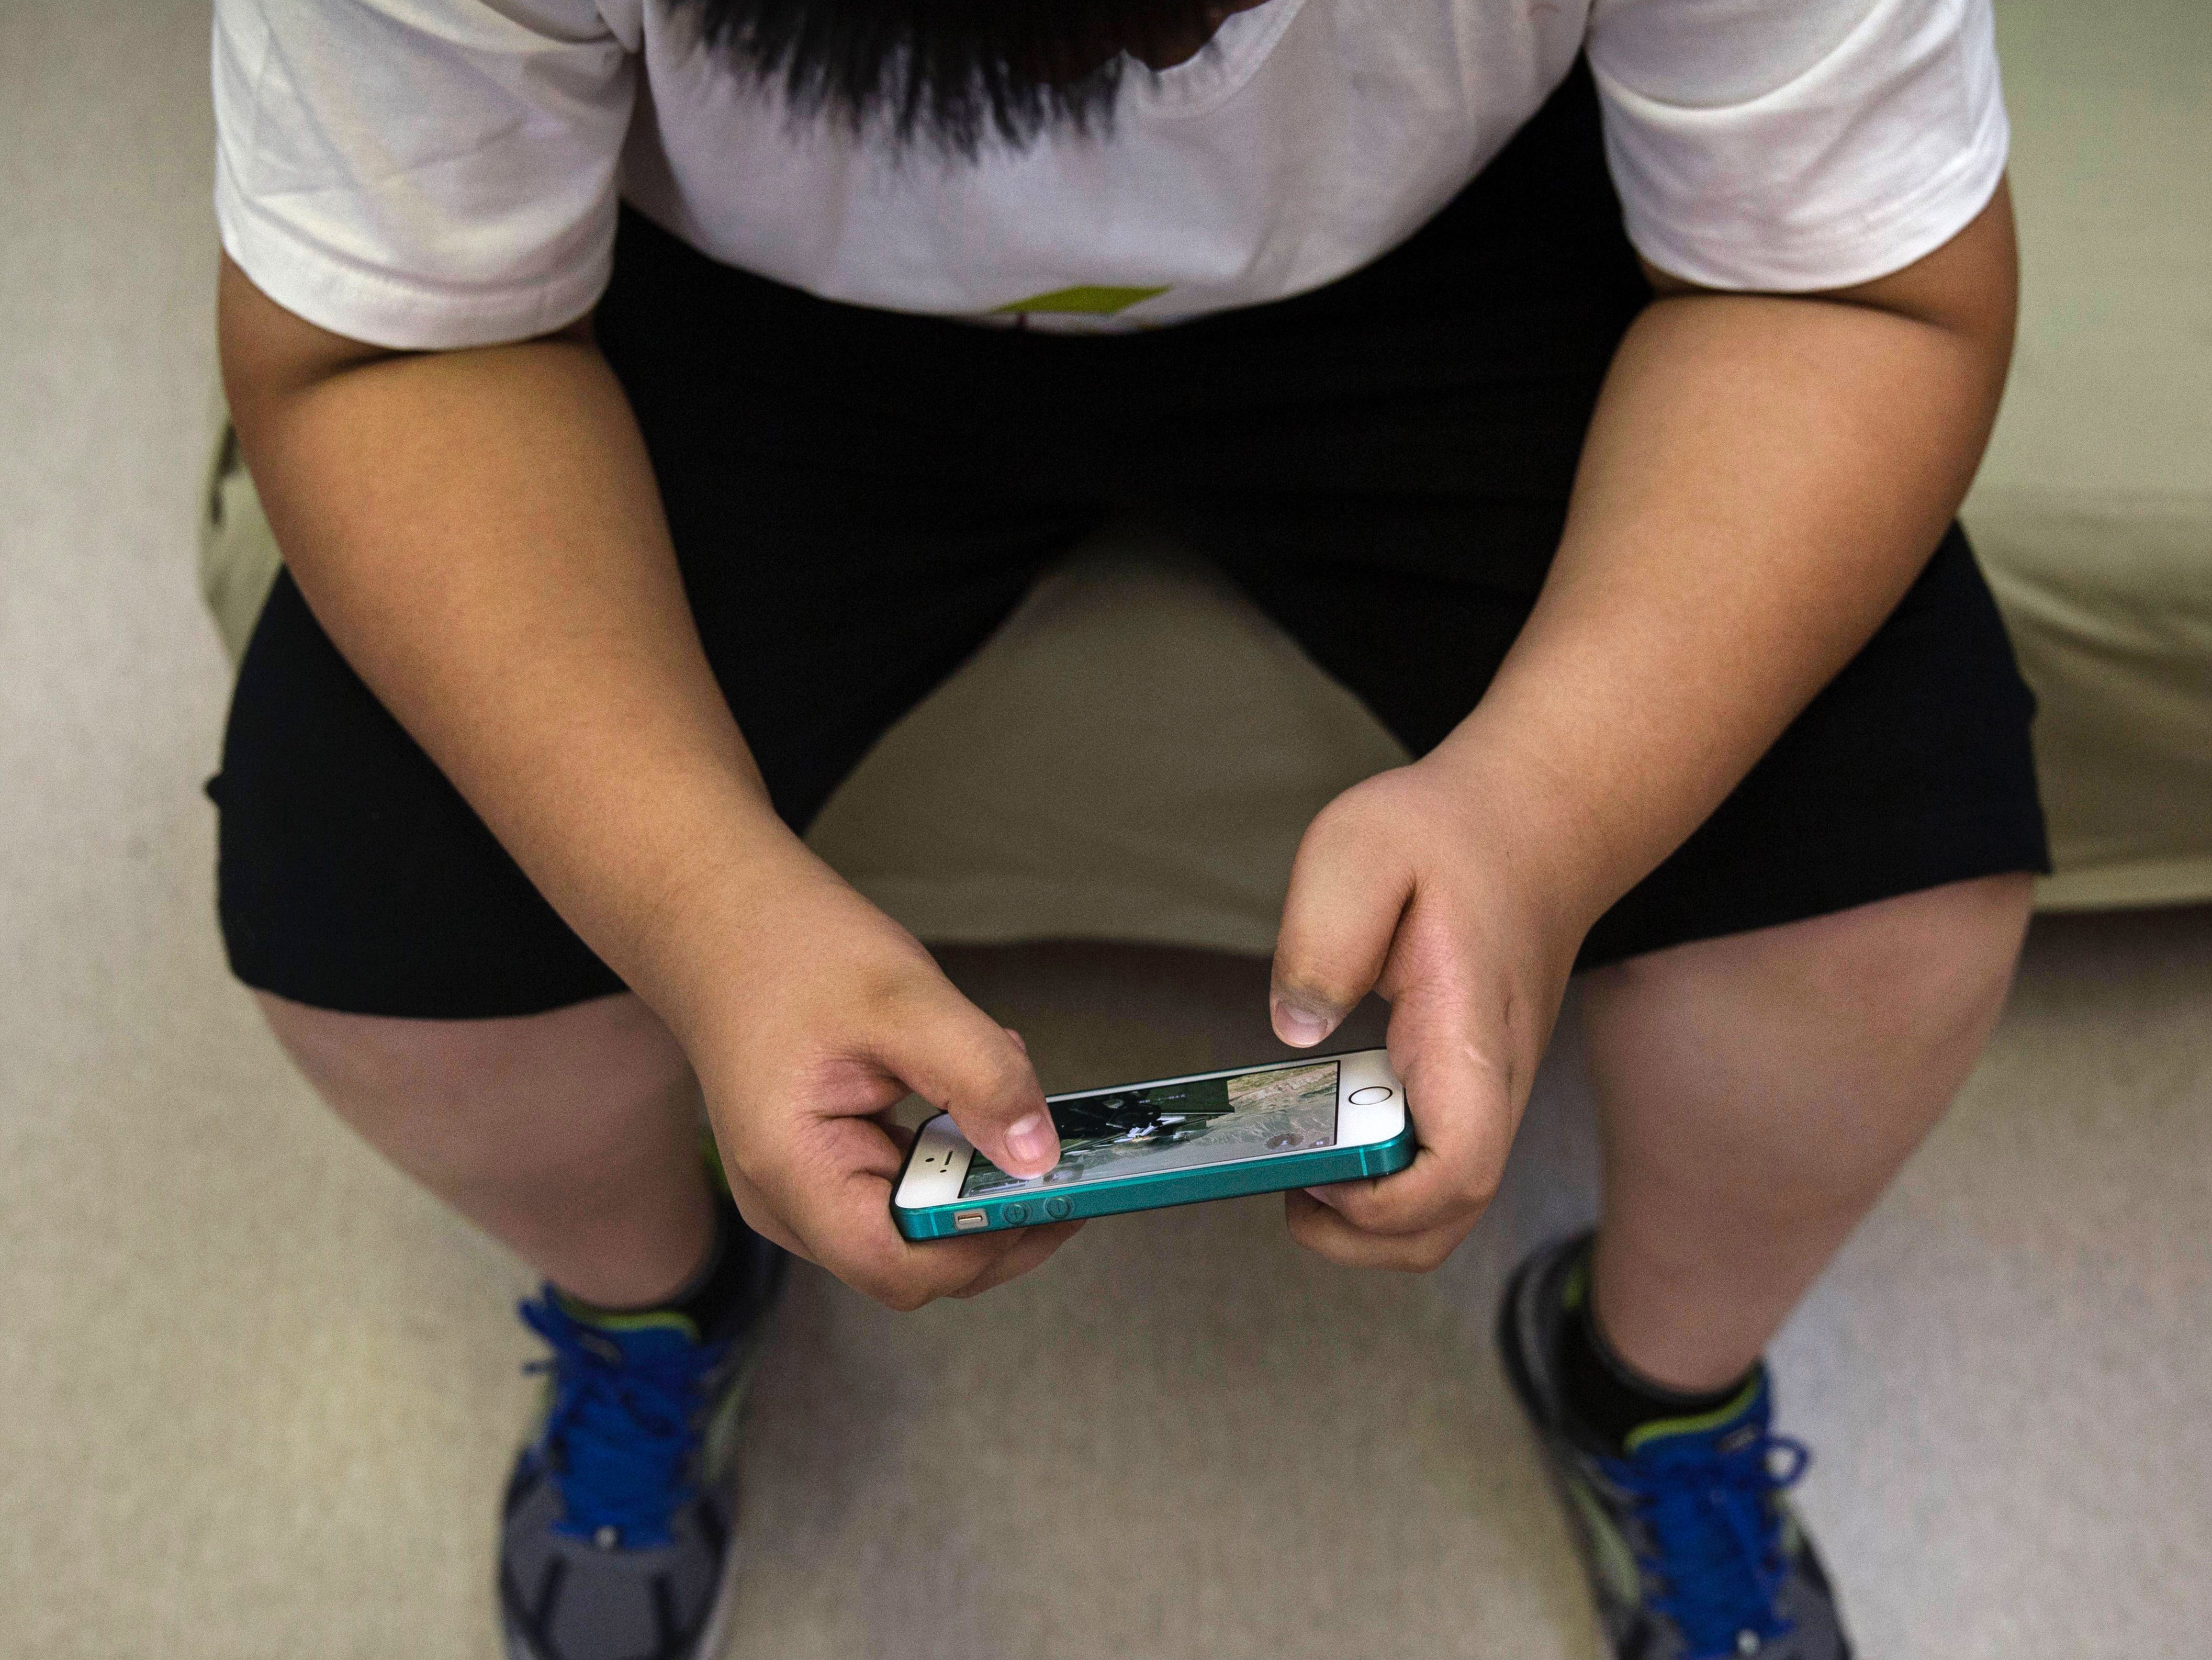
1790, 145
421, 173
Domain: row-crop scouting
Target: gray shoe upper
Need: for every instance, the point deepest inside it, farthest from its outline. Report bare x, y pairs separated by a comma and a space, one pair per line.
564, 1598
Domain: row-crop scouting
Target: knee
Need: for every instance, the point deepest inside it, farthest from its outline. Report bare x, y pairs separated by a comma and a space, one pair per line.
467, 1099
1934, 967
1909, 976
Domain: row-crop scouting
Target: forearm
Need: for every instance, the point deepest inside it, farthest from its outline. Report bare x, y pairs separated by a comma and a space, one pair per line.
1763, 480
480, 533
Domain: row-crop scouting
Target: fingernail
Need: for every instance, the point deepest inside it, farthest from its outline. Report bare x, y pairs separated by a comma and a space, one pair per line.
1296, 1026
1031, 1141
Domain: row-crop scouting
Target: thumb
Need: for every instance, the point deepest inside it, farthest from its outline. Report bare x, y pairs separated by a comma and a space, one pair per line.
1339, 919
955, 1056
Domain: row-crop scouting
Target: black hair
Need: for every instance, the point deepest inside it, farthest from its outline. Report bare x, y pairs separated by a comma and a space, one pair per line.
950, 72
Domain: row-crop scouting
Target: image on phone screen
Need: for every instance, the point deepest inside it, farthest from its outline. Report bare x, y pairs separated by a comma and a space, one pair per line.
1208, 1121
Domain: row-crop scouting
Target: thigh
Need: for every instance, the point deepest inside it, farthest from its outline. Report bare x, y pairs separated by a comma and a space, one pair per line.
1912, 769
350, 875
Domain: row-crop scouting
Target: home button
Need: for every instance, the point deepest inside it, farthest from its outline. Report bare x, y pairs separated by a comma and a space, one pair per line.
1369, 1096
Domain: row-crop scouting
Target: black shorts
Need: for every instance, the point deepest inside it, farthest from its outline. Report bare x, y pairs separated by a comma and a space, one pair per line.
859, 498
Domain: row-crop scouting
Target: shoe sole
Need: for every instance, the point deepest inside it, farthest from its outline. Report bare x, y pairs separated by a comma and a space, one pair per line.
725, 1605
1507, 1336
1522, 1383
717, 1627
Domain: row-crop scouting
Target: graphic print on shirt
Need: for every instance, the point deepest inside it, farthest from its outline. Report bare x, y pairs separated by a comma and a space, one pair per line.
1092, 300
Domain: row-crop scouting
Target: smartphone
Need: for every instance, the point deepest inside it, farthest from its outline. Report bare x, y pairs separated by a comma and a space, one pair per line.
1172, 1141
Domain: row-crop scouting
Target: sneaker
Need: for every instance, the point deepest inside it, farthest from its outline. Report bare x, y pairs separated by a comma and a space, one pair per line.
619, 1516
1692, 1550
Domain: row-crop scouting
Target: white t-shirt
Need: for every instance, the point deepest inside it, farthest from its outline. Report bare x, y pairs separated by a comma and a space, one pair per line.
446, 173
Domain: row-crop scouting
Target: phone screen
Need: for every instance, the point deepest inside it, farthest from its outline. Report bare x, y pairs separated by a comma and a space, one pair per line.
1210, 1121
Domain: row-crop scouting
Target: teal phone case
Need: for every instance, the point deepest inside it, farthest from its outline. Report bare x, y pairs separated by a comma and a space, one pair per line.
1155, 1190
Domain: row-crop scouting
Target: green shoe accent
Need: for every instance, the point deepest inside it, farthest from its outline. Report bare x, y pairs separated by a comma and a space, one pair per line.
1644, 1435
1612, 1557
1576, 1292
1090, 300
649, 1320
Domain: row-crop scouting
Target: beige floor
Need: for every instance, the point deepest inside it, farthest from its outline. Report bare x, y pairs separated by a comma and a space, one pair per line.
256, 1394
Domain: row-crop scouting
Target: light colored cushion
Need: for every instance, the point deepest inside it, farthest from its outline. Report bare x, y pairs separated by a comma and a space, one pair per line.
2093, 514
1133, 757
2109, 603
238, 559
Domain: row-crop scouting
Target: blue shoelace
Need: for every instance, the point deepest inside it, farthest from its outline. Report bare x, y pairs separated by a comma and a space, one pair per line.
619, 1437
1711, 1512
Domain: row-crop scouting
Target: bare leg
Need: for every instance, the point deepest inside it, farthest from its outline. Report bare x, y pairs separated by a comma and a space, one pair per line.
571, 1136
1756, 1093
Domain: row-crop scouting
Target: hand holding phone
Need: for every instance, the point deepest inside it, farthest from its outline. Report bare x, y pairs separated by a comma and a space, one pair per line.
822, 1014
1436, 885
